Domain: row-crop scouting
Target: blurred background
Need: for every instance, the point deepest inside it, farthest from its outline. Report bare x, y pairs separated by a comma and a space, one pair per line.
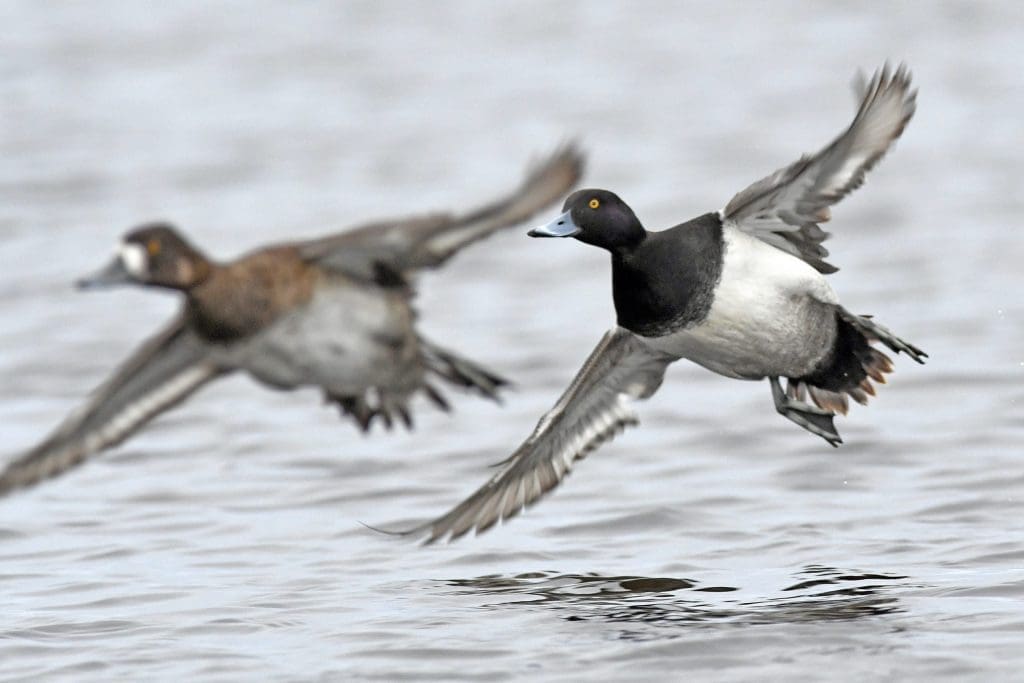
224, 542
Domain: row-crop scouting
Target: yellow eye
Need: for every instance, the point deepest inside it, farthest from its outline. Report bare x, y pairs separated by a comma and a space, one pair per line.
594, 203
153, 247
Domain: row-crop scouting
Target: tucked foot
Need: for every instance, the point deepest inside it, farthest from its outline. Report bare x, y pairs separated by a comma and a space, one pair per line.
360, 409
356, 407
461, 371
813, 419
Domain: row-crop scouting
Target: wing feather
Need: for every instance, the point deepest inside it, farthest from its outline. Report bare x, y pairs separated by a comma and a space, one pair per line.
408, 244
785, 208
595, 407
160, 374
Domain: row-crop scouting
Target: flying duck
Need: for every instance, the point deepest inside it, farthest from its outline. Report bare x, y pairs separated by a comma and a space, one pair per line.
739, 291
334, 313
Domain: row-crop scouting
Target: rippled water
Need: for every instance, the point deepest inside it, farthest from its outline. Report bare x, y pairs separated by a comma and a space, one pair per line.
718, 539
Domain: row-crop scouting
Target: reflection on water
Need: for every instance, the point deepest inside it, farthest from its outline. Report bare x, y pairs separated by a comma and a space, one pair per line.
670, 602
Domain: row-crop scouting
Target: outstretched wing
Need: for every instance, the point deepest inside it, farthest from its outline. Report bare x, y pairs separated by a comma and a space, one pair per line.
405, 245
785, 208
596, 406
160, 374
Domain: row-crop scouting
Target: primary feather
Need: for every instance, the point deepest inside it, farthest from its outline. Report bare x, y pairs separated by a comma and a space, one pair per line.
785, 208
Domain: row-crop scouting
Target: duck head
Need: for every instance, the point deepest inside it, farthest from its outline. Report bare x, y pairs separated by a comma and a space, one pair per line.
596, 217
154, 254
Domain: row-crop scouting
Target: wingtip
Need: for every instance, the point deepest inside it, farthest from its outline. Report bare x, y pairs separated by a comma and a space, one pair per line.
884, 80
36, 466
403, 533
423, 535
7, 486
567, 159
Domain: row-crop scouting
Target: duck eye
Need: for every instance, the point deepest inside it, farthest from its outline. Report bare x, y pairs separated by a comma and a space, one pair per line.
153, 247
594, 203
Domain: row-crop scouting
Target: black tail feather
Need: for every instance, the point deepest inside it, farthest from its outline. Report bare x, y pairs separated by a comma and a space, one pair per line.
460, 372
852, 365
436, 397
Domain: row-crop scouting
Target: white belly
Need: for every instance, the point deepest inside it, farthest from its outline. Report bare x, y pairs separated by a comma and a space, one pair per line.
346, 340
770, 315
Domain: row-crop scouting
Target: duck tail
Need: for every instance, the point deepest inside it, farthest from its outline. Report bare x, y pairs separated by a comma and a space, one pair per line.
853, 364
460, 372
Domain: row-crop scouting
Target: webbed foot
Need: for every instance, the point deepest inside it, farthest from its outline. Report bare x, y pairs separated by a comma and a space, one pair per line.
813, 419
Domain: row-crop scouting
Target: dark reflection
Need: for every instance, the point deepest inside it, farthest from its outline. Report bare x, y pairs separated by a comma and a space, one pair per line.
552, 585
818, 594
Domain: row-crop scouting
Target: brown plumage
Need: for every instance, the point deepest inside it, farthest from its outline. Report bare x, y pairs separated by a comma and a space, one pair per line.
334, 313
240, 298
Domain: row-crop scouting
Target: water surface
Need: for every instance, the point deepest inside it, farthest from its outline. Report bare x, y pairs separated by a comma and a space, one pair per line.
718, 539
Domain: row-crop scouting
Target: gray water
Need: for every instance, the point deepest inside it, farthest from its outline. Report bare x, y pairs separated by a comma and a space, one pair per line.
716, 541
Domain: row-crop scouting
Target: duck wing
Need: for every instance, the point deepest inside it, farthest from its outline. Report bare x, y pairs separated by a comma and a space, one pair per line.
160, 374
785, 208
595, 407
404, 245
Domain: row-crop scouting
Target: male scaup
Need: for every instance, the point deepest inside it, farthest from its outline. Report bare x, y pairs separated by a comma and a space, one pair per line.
334, 312
740, 291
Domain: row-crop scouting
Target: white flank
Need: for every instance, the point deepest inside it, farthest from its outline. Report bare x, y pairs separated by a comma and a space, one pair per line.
757, 324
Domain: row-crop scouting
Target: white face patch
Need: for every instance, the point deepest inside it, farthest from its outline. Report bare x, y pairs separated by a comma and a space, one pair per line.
134, 258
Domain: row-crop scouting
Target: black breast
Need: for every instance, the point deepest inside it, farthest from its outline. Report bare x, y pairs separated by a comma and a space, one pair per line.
668, 282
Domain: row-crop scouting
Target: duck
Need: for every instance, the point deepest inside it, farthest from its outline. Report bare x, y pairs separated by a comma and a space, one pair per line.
740, 291
334, 312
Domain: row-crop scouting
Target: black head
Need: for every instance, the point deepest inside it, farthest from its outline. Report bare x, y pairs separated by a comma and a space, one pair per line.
596, 217
153, 254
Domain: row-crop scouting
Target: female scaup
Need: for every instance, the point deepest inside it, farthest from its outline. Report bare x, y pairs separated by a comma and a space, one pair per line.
335, 312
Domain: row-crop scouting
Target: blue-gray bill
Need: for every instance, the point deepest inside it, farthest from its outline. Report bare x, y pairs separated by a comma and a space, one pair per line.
114, 273
563, 226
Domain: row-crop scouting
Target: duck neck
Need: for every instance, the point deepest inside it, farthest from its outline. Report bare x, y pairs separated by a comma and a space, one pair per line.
667, 282
186, 273
212, 303
199, 271
627, 243
620, 232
